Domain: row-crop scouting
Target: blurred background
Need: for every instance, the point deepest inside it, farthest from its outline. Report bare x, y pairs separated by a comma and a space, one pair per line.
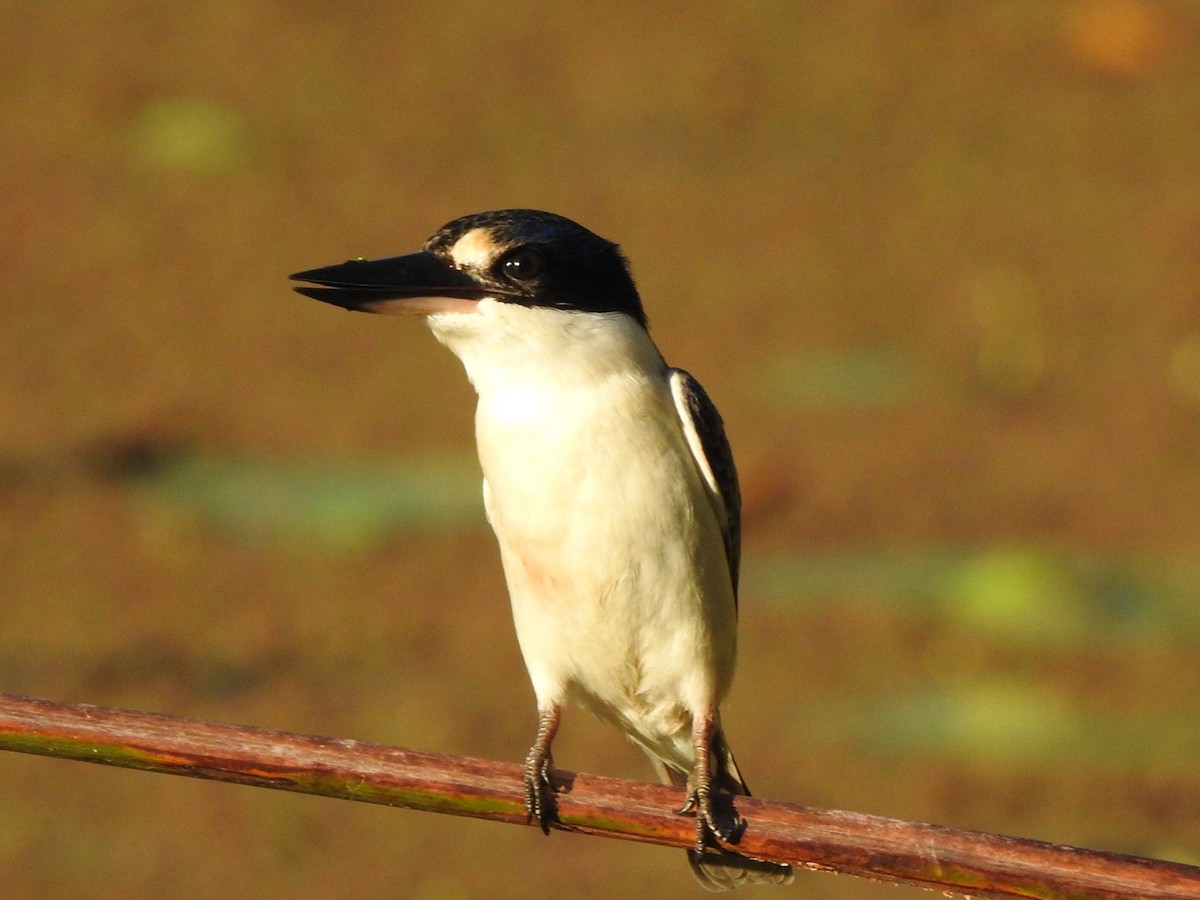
938, 263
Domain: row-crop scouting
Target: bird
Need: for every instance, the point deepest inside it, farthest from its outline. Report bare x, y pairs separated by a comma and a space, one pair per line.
610, 486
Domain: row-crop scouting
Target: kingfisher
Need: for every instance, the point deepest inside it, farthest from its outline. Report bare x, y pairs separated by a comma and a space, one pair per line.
611, 489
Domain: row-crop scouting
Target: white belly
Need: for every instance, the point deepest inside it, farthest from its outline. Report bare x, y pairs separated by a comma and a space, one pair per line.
611, 547
613, 555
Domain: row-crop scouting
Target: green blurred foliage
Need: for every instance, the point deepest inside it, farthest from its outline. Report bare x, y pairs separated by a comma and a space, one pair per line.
334, 505
188, 134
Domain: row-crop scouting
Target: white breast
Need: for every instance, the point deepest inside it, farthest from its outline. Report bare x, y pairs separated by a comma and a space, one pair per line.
613, 555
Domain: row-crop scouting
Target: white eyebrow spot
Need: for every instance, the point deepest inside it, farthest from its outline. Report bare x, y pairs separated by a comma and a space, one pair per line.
474, 250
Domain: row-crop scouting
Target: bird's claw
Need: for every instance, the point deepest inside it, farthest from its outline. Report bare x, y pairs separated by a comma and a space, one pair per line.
539, 792
700, 802
539, 766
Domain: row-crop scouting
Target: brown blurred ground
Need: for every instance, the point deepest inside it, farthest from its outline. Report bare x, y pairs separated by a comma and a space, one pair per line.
937, 262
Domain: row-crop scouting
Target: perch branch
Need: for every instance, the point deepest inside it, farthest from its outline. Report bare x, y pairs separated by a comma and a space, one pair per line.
931, 856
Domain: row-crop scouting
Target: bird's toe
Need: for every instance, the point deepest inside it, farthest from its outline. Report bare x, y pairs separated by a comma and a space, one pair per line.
539, 792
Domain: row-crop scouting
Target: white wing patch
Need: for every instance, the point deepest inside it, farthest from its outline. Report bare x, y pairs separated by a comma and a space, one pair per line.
705, 435
680, 391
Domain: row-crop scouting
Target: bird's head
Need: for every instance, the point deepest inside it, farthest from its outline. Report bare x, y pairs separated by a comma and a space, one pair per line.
520, 256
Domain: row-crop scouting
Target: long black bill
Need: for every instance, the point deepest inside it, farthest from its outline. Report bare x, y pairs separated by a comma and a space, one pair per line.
365, 284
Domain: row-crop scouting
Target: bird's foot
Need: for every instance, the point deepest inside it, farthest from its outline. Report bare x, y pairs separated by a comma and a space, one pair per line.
722, 826
539, 793
539, 766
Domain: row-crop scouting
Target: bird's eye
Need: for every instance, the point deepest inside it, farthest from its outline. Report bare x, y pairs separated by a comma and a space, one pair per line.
524, 264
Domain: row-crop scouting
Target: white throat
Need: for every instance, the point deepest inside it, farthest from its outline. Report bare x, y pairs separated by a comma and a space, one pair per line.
506, 346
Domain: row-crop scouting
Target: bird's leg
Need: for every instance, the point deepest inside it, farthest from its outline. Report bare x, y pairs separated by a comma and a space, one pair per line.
700, 788
539, 794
